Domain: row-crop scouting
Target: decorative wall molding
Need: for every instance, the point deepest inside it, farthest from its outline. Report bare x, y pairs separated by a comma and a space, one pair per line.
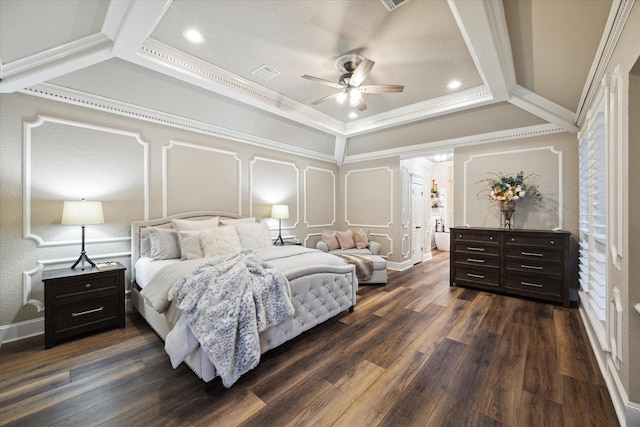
559, 154
28, 128
297, 187
346, 197
389, 240
406, 246
21, 330
306, 193
165, 157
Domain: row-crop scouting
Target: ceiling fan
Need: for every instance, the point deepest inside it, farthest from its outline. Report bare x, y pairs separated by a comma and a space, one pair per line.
356, 69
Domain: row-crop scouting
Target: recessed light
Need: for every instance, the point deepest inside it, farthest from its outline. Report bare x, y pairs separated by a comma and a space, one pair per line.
454, 84
353, 115
194, 36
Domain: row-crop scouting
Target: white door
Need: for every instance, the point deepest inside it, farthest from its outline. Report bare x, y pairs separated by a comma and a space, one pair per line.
417, 221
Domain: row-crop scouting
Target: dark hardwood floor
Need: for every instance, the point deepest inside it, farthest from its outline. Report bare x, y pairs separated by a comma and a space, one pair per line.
414, 352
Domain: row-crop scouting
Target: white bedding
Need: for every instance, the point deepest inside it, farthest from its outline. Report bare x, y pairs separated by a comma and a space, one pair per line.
147, 267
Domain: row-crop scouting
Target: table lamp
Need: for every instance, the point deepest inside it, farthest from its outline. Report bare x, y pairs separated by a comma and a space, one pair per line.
82, 213
279, 212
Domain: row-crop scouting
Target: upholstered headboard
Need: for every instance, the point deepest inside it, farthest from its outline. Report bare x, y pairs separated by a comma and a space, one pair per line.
138, 228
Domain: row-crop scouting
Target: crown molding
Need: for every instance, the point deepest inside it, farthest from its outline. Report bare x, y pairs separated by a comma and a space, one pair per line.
474, 97
94, 102
175, 63
541, 107
431, 148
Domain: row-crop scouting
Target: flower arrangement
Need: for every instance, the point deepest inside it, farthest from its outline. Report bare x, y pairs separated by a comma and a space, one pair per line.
510, 188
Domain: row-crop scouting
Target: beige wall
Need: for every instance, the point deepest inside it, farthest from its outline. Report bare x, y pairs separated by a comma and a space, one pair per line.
53, 152
553, 159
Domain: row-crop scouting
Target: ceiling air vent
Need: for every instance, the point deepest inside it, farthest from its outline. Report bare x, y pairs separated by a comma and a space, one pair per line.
392, 4
266, 73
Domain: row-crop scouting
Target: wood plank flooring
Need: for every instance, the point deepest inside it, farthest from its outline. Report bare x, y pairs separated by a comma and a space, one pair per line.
414, 352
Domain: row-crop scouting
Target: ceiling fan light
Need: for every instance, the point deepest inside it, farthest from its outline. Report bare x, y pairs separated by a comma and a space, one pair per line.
341, 97
354, 97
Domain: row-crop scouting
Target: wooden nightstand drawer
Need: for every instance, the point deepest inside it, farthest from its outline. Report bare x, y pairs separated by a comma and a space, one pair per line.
80, 301
85, 286
468, 248
91, 313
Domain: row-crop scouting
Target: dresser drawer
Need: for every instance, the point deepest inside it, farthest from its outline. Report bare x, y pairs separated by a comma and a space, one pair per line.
535, 267
477, 259
477, 276
545, 240
88, 314
537, 286
476, 236
530, 252
476, 248
85, 285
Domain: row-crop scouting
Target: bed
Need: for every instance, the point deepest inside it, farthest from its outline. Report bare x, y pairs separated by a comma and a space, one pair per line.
321, 285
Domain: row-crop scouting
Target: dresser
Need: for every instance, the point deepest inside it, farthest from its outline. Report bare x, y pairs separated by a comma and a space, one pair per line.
80, 301
537, 264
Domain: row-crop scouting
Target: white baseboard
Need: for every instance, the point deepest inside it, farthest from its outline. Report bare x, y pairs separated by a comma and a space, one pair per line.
628, 412
21, 330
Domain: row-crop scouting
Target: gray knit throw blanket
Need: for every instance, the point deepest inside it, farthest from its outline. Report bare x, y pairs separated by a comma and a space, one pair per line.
364, 266
227, 302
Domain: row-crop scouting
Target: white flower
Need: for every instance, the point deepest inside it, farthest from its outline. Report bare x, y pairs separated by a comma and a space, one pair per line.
523, 193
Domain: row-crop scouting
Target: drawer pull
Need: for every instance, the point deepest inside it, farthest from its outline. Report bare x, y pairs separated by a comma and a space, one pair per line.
82, 313
531, 253
531, 267
552, 242
534, 285
473, 248
88, 285
477, 276
475, 260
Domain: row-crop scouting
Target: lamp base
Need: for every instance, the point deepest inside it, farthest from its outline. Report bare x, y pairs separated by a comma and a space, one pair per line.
279, 239
83, 256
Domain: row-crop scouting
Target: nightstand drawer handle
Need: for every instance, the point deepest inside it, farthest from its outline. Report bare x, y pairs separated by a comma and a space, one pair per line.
82, 313
475, 260
477, 276
472, 248
535, 285
531, 253
531, 267
88, 285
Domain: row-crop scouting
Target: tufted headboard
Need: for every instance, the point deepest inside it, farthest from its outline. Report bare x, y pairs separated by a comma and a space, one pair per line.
138, 229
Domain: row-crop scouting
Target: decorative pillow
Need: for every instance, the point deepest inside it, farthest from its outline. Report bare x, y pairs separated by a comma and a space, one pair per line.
254, 236
219, 241
164, 243
329, 237
345, 238
190, 243
361, 238
234, 221
188, 224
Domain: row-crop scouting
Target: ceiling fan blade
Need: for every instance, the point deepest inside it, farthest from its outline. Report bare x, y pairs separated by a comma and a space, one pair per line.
323, 81
361, 72
326, 98
381, 88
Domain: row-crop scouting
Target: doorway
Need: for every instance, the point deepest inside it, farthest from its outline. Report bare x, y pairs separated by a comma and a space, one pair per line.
417, 218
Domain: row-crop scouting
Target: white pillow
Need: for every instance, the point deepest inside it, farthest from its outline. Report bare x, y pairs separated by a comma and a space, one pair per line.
219, 241
188, 224
164, 243
190, 243
254, 236
234, 221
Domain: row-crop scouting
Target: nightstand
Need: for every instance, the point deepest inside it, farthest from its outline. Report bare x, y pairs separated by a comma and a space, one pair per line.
80, 301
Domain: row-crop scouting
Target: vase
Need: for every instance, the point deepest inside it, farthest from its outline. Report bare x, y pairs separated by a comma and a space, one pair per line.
507, 208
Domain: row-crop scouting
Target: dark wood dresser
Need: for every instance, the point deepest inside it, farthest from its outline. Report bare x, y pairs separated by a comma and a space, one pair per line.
80, 301
531, 263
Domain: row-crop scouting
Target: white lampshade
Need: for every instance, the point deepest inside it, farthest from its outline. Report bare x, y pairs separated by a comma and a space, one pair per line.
280, 211
82, 213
